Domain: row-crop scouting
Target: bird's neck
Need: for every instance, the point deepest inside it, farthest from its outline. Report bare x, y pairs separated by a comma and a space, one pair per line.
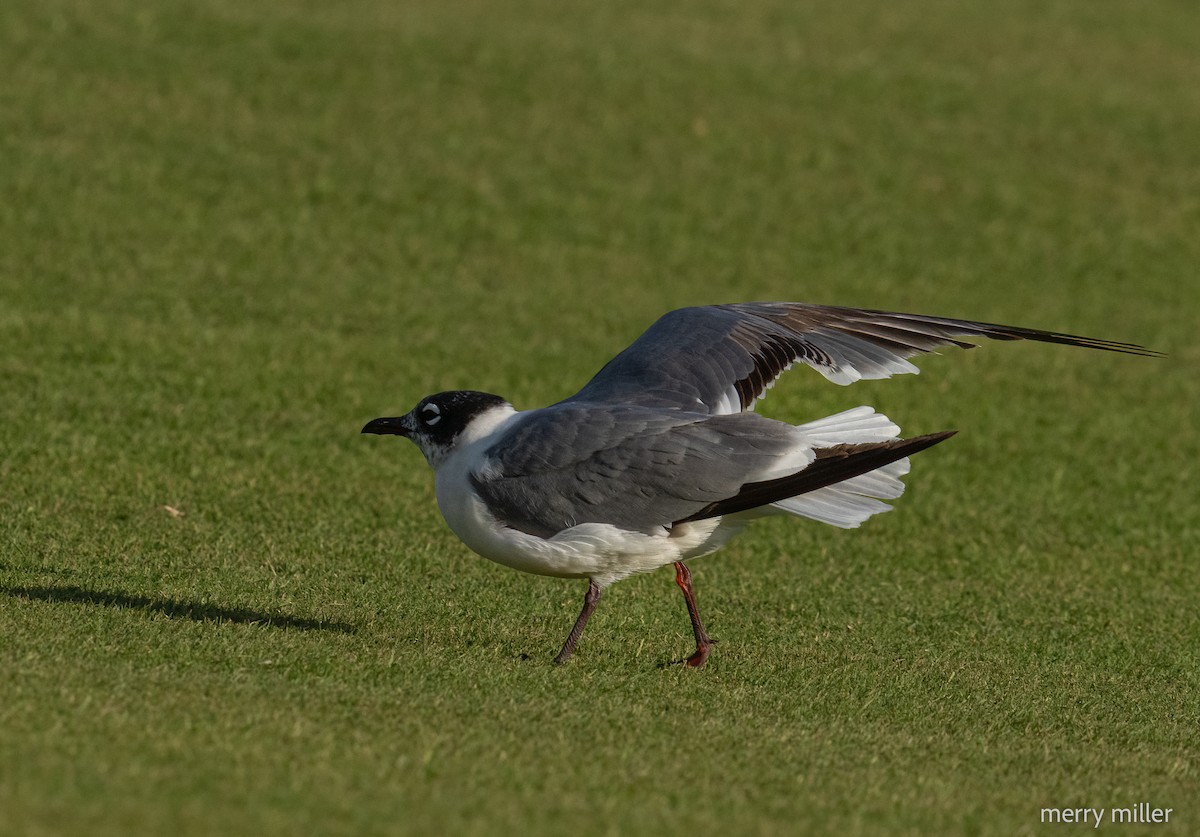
481, 429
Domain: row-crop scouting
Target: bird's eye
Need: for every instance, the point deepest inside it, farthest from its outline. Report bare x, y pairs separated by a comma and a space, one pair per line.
431, 414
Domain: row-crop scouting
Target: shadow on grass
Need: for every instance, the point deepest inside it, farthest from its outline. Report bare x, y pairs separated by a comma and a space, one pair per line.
175, 609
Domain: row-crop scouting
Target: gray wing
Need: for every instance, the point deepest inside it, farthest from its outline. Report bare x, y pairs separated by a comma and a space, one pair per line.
722, 358
636, 468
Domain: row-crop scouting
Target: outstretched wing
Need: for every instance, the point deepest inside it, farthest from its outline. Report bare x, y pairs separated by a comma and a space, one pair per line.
722, 358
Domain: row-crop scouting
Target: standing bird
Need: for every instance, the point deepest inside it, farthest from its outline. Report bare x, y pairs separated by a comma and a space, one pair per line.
660, 457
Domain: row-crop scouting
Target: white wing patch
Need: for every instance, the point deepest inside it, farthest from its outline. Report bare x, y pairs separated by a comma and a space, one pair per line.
729, 404
857, 359
795, 460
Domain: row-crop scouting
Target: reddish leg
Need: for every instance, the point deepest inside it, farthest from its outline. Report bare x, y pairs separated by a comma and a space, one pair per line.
589, 604
683, 577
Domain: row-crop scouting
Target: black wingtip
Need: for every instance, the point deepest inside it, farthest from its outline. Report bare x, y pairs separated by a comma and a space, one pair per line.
1117, 346
832, 465
919, 443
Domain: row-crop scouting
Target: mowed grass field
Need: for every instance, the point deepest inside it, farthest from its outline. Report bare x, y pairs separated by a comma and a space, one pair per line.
231, 233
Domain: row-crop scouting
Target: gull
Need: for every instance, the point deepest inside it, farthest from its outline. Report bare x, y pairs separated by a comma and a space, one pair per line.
661, 459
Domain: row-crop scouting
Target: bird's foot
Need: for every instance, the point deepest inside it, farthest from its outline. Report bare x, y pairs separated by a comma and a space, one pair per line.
699, 656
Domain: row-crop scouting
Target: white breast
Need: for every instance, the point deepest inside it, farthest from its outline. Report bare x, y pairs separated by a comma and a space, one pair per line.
589, 550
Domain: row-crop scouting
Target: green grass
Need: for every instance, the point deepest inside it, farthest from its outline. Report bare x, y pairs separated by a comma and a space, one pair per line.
231, 233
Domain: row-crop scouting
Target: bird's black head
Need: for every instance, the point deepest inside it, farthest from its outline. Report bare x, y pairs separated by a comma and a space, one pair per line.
437, 424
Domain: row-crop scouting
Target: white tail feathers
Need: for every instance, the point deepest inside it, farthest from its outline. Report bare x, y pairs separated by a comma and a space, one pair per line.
862, 424
850, 502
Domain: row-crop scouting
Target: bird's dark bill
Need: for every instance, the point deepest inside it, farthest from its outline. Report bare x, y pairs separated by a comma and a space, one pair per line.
393, 426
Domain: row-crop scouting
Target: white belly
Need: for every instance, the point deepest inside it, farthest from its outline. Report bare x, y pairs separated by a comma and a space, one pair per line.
589, 550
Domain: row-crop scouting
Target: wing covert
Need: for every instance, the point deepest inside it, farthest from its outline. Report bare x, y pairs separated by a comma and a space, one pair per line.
635, 468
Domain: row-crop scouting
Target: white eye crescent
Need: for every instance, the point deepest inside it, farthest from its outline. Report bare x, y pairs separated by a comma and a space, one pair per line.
431, 414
